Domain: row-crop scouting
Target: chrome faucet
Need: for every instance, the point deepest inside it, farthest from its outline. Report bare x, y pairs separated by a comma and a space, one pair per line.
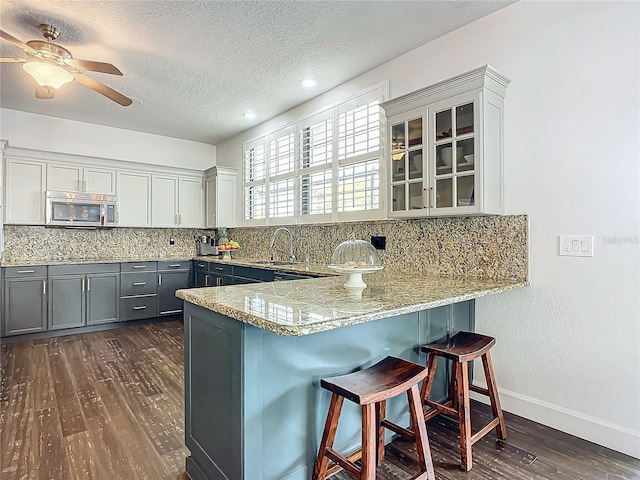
307, 259
292, 257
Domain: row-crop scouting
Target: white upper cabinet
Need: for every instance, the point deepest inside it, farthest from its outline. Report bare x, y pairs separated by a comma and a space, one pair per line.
134, 199
191, 202
98, 180
146, 195
177, 201
24, 191
76, 178
445, 147
221, 197
164, 201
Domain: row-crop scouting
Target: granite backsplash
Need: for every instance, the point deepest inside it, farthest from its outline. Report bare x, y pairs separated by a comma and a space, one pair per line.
483, 247
40, 243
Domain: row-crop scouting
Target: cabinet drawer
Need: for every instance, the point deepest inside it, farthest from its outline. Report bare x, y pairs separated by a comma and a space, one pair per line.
204, 266
138, 283
175, 265
88, 268
221, 268
139, 267
17, 272
136, 308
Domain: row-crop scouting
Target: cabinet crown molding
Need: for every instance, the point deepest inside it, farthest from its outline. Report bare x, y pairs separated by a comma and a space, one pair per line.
482, 77
87, 161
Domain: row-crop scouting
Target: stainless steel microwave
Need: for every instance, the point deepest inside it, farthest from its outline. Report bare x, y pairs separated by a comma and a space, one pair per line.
80, 210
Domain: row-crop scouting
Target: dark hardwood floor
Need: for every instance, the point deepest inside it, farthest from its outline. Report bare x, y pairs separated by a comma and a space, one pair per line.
110, 405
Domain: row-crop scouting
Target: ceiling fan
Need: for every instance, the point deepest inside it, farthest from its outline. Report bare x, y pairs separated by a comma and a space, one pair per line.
52, 66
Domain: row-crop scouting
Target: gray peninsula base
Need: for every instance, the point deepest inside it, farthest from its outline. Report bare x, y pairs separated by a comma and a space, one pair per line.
254, 409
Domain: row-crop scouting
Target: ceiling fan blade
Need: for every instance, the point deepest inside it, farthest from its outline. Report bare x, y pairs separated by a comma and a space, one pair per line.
92, 66
11, 39
44, 93
101, 88
12, 60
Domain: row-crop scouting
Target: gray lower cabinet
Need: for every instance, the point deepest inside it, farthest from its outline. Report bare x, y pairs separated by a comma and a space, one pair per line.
25, 300
67, 301
83, 295
138, 290
103, 298
211, 274
172, 276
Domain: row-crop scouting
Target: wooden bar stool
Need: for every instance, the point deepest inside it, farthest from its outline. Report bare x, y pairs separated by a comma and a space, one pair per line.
371, 388
460, 349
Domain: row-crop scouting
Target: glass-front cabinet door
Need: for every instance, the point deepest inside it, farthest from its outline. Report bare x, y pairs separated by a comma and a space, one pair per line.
453, 133
407, 146
446, 148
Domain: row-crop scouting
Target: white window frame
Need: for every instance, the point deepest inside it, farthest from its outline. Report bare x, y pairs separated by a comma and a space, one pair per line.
378, 92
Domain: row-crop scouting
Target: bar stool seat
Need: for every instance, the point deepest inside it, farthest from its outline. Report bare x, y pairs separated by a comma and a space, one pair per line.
371, 388
462, 348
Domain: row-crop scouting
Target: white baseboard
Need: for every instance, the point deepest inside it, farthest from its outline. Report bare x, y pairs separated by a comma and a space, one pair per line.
610, 435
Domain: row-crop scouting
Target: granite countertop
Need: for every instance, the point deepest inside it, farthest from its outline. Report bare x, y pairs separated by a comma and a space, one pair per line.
85, 261
303, 307
315, 269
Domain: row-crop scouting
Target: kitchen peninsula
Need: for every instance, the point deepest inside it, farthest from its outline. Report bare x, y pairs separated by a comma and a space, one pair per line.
254, 356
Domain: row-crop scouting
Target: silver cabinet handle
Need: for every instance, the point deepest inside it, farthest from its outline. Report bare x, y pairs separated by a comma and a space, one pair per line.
218, 268
26, 271
79, 185
218, 282
139, 266
159, 279
82, 281
88, 284
139, 284
84, 185
44, 287
176, 265
429, 196
141, 307
206, 280
201, 265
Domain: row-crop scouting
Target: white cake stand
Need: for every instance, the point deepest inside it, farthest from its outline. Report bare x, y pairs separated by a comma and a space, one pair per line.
355, 281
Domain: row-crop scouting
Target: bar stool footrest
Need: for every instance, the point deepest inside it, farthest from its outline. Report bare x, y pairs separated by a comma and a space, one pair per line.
440, 408
482, 432
403, 432
475, 388
343, 463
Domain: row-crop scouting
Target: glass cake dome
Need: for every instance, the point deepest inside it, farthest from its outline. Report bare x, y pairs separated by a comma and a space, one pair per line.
355, 254
355, 257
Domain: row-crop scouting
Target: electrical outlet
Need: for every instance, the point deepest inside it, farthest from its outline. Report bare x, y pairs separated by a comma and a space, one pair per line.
575, 245
172, 241
380, 243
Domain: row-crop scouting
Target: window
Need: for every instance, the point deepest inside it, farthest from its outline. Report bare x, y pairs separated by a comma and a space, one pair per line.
323, 168
359, 186
316, 170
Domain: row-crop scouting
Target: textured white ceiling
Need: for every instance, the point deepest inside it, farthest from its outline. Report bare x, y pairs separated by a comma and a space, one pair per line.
197, 65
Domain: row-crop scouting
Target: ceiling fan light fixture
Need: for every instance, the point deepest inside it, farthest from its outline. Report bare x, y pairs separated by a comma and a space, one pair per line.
47, 74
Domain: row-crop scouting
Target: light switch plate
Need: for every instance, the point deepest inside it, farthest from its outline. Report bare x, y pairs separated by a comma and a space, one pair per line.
575, 245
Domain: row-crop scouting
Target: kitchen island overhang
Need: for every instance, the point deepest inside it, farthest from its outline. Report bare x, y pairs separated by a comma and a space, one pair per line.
254, 356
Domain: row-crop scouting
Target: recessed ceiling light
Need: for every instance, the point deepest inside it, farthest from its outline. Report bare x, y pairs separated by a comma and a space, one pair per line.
309, 82
249, 114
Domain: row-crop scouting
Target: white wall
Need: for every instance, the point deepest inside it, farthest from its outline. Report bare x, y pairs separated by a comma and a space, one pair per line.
40, 132
568, 351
